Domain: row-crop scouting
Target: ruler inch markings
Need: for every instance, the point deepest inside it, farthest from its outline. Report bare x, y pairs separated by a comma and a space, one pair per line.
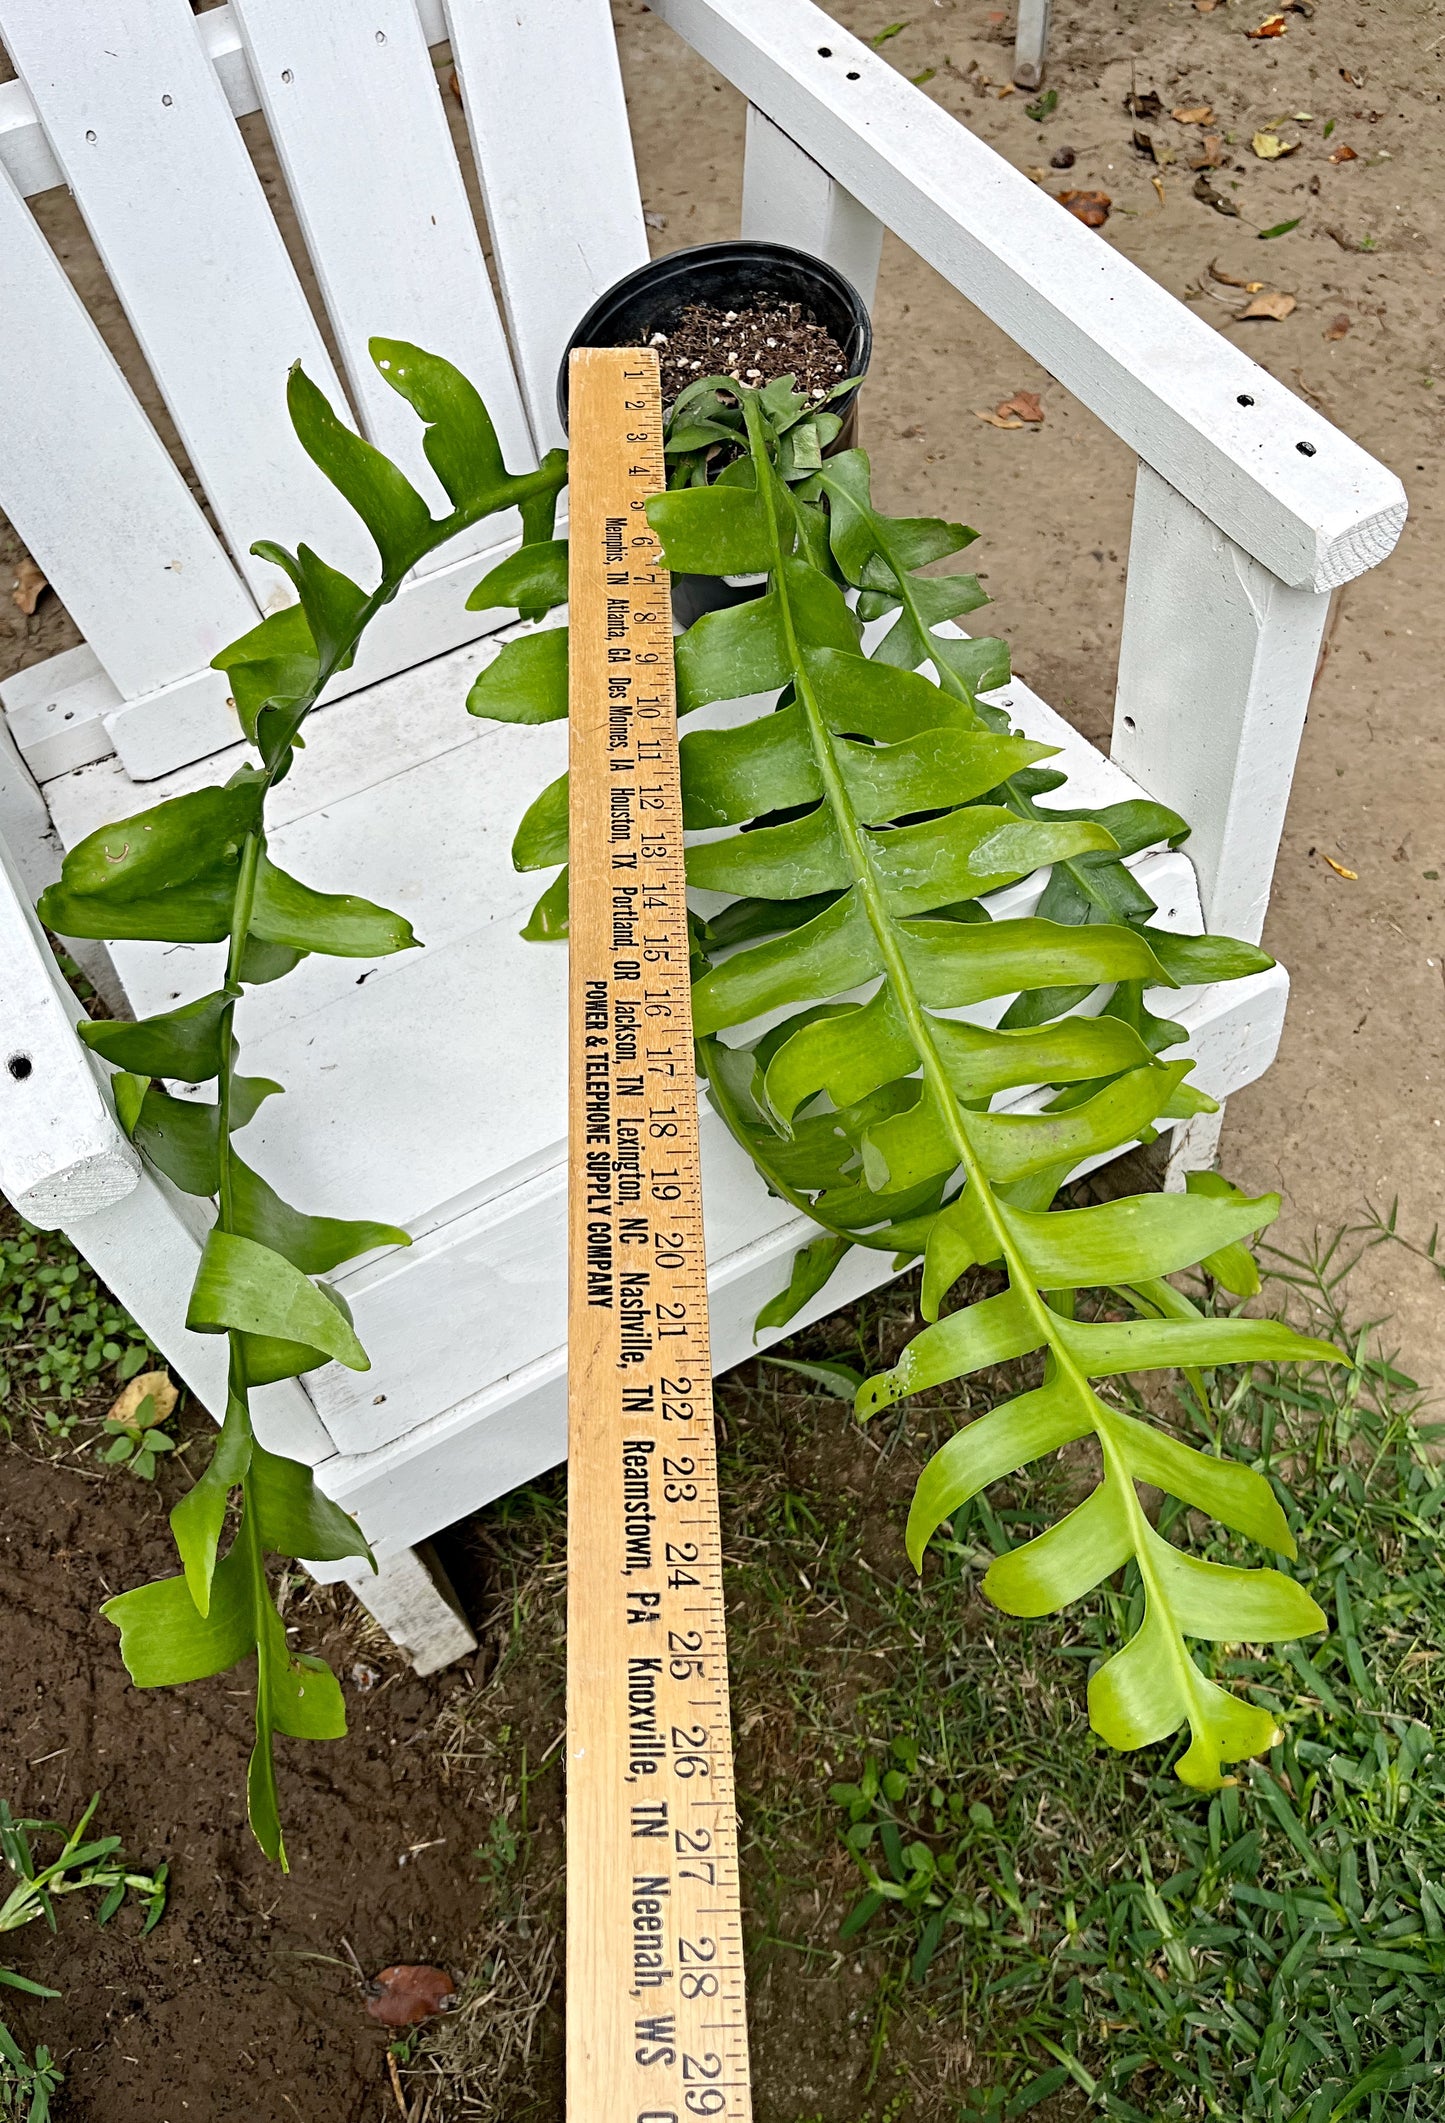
651, 1827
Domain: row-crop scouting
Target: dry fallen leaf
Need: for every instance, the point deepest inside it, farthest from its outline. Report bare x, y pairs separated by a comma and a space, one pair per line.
454, 85
1204, 190
1340, 870
1207, 7
1355, 80
29, 583
401, 1996
1217, 272
1149, 105
1272, 26
1209, 154
1146, 144
1158, 184
1026, 404
1337, 327
1092, 208
997, 420
1270, 148
1272, 304
1344, 154
1193, 114
155, 1383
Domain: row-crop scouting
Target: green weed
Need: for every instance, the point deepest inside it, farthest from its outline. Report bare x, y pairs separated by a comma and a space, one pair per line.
63, 1337
83, 1864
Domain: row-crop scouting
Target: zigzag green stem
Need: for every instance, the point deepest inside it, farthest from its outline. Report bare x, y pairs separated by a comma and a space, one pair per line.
952, 684
936, 1076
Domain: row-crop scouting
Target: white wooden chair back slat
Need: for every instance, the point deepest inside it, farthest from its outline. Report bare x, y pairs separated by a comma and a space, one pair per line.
351, 100
543, 95
138, 121
89, 485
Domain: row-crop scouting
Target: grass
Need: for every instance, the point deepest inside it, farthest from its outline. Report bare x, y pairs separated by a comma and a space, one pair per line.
83, 1864
1062, 1931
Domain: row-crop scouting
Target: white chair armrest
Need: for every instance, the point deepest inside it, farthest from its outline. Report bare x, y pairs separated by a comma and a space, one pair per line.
62, 1156
1272, 473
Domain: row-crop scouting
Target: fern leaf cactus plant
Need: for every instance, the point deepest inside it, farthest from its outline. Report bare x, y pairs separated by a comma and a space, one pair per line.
197, 869
857, 828
847, 842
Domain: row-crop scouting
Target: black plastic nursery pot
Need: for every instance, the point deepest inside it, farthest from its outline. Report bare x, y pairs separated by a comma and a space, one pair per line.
727, 276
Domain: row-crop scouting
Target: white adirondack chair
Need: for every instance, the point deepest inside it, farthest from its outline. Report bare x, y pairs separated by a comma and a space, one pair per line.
1250, 509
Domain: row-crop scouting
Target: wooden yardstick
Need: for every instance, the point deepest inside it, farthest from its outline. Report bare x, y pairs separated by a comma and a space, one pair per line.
656, 2021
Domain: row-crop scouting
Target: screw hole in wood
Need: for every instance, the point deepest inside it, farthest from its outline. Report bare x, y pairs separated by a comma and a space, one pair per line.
825, 51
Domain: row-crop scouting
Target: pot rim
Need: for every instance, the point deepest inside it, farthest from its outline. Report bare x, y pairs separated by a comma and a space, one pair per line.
694, 259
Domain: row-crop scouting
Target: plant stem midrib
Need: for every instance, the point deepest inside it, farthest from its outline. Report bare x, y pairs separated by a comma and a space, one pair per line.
951, 683
915, 1017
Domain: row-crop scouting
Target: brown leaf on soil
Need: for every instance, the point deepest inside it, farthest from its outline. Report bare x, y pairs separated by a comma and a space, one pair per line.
1193, 114
1270, 148
1344, 154
28, 586
1149, 105
155, 1383
1204, 190
1026, 405
1207, 7
1092, 208
1217, 272
1355, 80
1271, 304
1209, 154
454, 85
400, 1996
1272, 26
1337, 327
